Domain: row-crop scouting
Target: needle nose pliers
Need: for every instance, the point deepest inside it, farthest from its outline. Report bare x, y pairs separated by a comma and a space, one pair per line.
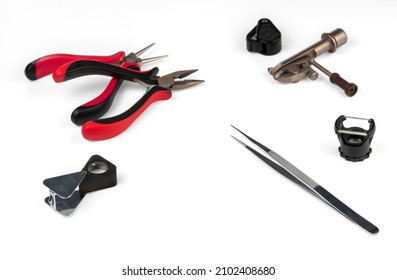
97, 107
158, 88
120, 67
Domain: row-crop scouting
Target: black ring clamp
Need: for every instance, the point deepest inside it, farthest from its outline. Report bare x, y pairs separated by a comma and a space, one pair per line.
354, 141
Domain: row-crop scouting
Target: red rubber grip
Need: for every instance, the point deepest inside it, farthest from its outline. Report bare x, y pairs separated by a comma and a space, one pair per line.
48, 64
111, 127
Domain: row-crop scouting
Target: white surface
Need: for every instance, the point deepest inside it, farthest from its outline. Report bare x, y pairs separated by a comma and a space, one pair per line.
188, 194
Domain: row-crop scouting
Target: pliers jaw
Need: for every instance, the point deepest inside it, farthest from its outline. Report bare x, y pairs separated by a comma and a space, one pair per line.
134, 57
168, 81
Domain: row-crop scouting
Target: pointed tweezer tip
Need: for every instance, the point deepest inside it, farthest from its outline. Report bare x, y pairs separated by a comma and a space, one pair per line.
263, 147
240, 131
234, 127
241, 142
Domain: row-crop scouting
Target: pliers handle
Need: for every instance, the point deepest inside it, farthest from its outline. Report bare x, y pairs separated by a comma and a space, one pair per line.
97, 107
158, 88
79, 68
110, 127
46, 65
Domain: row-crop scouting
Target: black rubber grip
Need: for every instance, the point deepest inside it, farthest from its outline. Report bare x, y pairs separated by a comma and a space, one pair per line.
84, 113
86, 67
136, 107
30, 71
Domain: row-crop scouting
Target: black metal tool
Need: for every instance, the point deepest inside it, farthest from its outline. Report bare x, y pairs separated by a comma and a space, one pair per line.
288, 170
354, 141
67, 191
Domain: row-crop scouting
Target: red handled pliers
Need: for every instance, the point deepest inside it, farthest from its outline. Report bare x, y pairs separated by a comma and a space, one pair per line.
46, 65
158, 88
97, 107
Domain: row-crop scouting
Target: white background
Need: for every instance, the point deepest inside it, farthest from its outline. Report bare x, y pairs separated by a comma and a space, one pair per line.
187, 193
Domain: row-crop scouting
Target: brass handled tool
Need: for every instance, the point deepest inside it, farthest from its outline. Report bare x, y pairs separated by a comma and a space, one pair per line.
298, 66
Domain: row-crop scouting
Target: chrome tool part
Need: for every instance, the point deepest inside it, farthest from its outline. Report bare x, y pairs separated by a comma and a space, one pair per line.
64, 192
170, 80
297, 67
134, 57
354, 141
291, 172
67, 191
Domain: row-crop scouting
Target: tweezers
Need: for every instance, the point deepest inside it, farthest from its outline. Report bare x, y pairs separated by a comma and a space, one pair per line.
288, 170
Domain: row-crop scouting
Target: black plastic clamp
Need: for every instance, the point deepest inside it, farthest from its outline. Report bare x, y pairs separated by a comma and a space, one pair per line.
67, 191
265, 38
354, 141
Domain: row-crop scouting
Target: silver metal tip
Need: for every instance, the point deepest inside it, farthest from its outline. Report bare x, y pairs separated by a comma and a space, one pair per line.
185, 84
150, 59
184, 73
238, 130
241, 142
138, 53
